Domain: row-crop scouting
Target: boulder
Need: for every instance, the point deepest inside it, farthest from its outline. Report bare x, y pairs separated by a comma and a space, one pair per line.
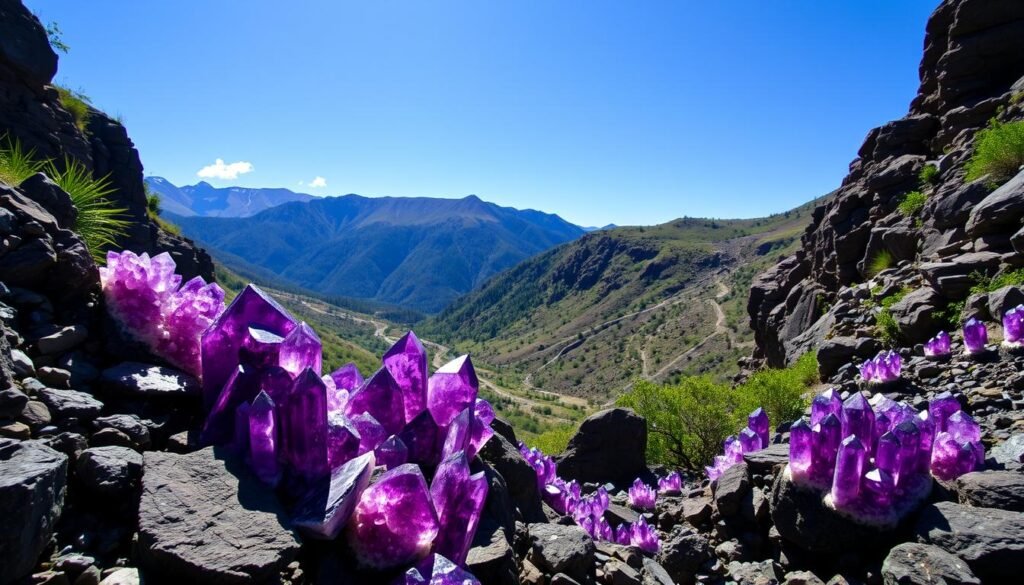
491, 558
762, 573
915, 314
763, 461
62, 340
1009, 451
954, 278
519, 476
24, 45
207, 520
911, 563
950, 207
1017, 241
836, 352
1001, 211
109, 471
731, 489
562, 549
64, 404
138, 380
655, 574
992, 489
46, 193
32, 483
682, 553
129, 424
12, 402
991, 541
1002, 300
610, 446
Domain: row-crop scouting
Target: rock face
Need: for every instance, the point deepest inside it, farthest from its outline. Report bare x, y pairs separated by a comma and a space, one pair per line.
203, 523
970, 72
32, 481
991, 541
563, 549
610, 446
921, 564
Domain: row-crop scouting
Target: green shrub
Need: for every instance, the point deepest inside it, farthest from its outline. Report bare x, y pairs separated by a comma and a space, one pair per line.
780, 391
99, 223
885, 323
952, 315
998, 151
17, 164
929, 174
553, 441
882, 261
77, 104
985, 284
912, 203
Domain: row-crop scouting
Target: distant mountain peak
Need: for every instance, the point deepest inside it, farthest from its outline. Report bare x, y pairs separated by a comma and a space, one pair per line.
206, 200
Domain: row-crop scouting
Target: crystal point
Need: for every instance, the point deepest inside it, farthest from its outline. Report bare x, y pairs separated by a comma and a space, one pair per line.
407, 362
263, 439
301, 349
758, 422
975, 336
459, 499
381, 398
452, 388
849, 467
327, 506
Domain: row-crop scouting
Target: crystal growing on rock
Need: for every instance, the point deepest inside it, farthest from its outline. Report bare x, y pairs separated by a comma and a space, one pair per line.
304, 423
849, 468
394, 522
975, 336
392, 453
883, 368
750, 441
299, 350
642, 496
381, 398
343, 440
1013, 327
858, 419
458, 499
143, 295
407, 362
828, 402
436, 570
758, 422
452, 388
643, 536
263, 440
938, 346
670, 484
347, 377
825, 443
801, 450
328, 505
941, 408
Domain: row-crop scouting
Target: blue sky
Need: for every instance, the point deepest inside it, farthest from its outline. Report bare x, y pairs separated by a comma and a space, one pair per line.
600, 111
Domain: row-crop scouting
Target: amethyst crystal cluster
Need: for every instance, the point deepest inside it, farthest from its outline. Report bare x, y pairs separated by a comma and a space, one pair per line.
873, 461
319, 437
1013, 327
882, 369
938, 346
588, 511
975, 336
752, 438
147, 299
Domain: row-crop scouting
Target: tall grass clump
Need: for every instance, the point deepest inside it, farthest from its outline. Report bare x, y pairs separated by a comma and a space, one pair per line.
77, 104
99, 223
912, 203
929, 174
17, 164
998, 151
885, 323
882, 261
688, 421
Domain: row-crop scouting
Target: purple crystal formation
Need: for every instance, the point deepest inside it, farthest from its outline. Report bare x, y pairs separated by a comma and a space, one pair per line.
671, 483
882, 369
873, 458
938, 346
642, 496
588, 511
1013, 327
436, 570
319, 437
753, 437
975, 336
147, 299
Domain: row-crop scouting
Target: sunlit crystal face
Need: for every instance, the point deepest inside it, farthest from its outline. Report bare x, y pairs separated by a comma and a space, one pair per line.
975, 336
1013, 325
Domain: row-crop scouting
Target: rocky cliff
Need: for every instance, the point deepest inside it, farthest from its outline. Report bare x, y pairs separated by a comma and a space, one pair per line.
31, 113
830, 289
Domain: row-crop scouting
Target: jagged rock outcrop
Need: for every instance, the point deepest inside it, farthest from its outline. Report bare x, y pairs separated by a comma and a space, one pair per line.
31, 113
972, 70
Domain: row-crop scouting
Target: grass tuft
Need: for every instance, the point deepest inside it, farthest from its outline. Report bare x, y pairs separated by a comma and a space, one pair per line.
77, 104
912, 203
17, 164
99, 223
929, 175
998, 152
882, 261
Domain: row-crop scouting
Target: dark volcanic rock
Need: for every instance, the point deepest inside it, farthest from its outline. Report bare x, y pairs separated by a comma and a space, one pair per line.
32, 481
922, 564
46, 193
70, 404
491, 559
915, 314
109, 471
1001, 211
763, 461
563, 549
682, 553
200, 522
992, 489
519, 476
139, 380
731, 488
991, 541
610, 446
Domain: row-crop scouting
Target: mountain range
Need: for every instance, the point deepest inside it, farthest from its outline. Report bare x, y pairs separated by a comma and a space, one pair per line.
415, 252
205, 200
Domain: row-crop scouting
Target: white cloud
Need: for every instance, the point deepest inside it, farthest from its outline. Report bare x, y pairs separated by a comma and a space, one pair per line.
221, 170
318, 183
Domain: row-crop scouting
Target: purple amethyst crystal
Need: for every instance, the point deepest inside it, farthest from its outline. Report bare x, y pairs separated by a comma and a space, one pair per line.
481, 431
328, 505
750, 441
436, 570
622, 535
975, 336
644, 536
241, 388
641, 495
909, 437
458, 498
392, 453
224, 339
670, 484
732, 450
758, 422
883, 368
342, 440
300, 350
801, 450
938, 346
1013, 326
394, 522
825, 443
407, 362
828, 402
879, 487
263, 439
240, 444
421, 438
260, 349
459, 431
347, 377
370, 433
452, 388
381, 398
142, 294
941, 408
945, 452
305, 427
858, 419
849, 468
888, 455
